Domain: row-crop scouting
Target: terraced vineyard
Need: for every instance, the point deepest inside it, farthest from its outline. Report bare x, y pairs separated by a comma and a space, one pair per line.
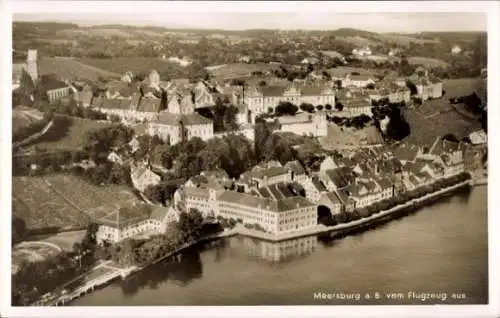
64, 201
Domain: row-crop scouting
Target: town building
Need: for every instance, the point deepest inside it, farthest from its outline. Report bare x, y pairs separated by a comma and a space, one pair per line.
142, 177
125, 222
174, 128
331, 201
261, 177
274, 216
365, 51
361, 81
305, 124
260, 99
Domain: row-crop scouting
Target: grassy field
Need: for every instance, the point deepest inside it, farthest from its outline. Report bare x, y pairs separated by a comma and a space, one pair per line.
239, 70
73, 69
427, 62
67, 133
401, 39
56, 201
31, 253
343, 137
459, 87
121, 65
64, 240
24, 116
358, 41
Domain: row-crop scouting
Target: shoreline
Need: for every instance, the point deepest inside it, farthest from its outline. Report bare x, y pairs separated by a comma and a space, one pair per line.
336, 230
353, 225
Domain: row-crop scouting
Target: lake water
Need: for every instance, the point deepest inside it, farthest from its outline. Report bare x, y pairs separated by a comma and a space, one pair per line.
440, 249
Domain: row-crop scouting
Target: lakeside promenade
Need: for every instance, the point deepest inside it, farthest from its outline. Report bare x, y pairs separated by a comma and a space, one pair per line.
116, 272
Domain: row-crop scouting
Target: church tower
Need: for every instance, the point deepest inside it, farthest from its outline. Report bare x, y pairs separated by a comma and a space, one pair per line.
32, 64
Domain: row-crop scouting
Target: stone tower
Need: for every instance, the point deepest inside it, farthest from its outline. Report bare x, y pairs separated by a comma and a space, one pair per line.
32, 64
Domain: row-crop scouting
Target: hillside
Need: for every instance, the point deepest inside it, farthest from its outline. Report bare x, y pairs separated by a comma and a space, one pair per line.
72, 69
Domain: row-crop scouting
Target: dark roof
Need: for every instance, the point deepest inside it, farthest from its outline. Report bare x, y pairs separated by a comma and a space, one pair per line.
283, 188
158, 213
264, 192
127, 215
272, 90
283, 205
318, 184
194, 119
51, 82
149, 105
295, 166
341, 177
332, 196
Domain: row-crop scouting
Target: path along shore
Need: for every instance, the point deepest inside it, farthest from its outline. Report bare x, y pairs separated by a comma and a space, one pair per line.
240, 230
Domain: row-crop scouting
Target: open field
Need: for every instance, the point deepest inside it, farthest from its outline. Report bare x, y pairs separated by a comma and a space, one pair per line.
28, 252
64, 240
56, 201
401, 39
344, 137
358, 41
73, 69
71, 188
102, 32
427, 62
459, 87
24, 116
121, 65
67, 133
240, 69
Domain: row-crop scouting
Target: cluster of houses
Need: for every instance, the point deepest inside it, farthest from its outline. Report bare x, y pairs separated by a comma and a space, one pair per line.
285, 198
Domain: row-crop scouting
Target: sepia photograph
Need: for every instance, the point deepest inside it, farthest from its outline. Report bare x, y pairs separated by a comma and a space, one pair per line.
272, 158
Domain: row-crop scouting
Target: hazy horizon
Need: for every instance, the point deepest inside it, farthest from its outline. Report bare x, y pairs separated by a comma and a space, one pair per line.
413, 22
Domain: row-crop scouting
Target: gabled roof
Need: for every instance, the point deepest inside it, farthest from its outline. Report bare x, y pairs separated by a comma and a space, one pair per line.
341, 177
318, 184
278, 206
51, 82
295, 166
332, 197
127, 215
272, 91
149, 105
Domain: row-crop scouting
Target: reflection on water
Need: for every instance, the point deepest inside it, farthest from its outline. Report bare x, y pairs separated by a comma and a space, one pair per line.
441, 248
279, 252
181, 270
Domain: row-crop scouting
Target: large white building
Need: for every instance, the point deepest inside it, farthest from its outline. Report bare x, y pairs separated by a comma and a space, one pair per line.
134, 221
275, 216
260, 99
314, 124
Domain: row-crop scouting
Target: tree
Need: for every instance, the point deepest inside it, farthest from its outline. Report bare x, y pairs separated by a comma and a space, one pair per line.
339, 106
405, 69
286, 108
450, 137
412, 87
319, 107
262, 83
328, 107
18, 229
307, 107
